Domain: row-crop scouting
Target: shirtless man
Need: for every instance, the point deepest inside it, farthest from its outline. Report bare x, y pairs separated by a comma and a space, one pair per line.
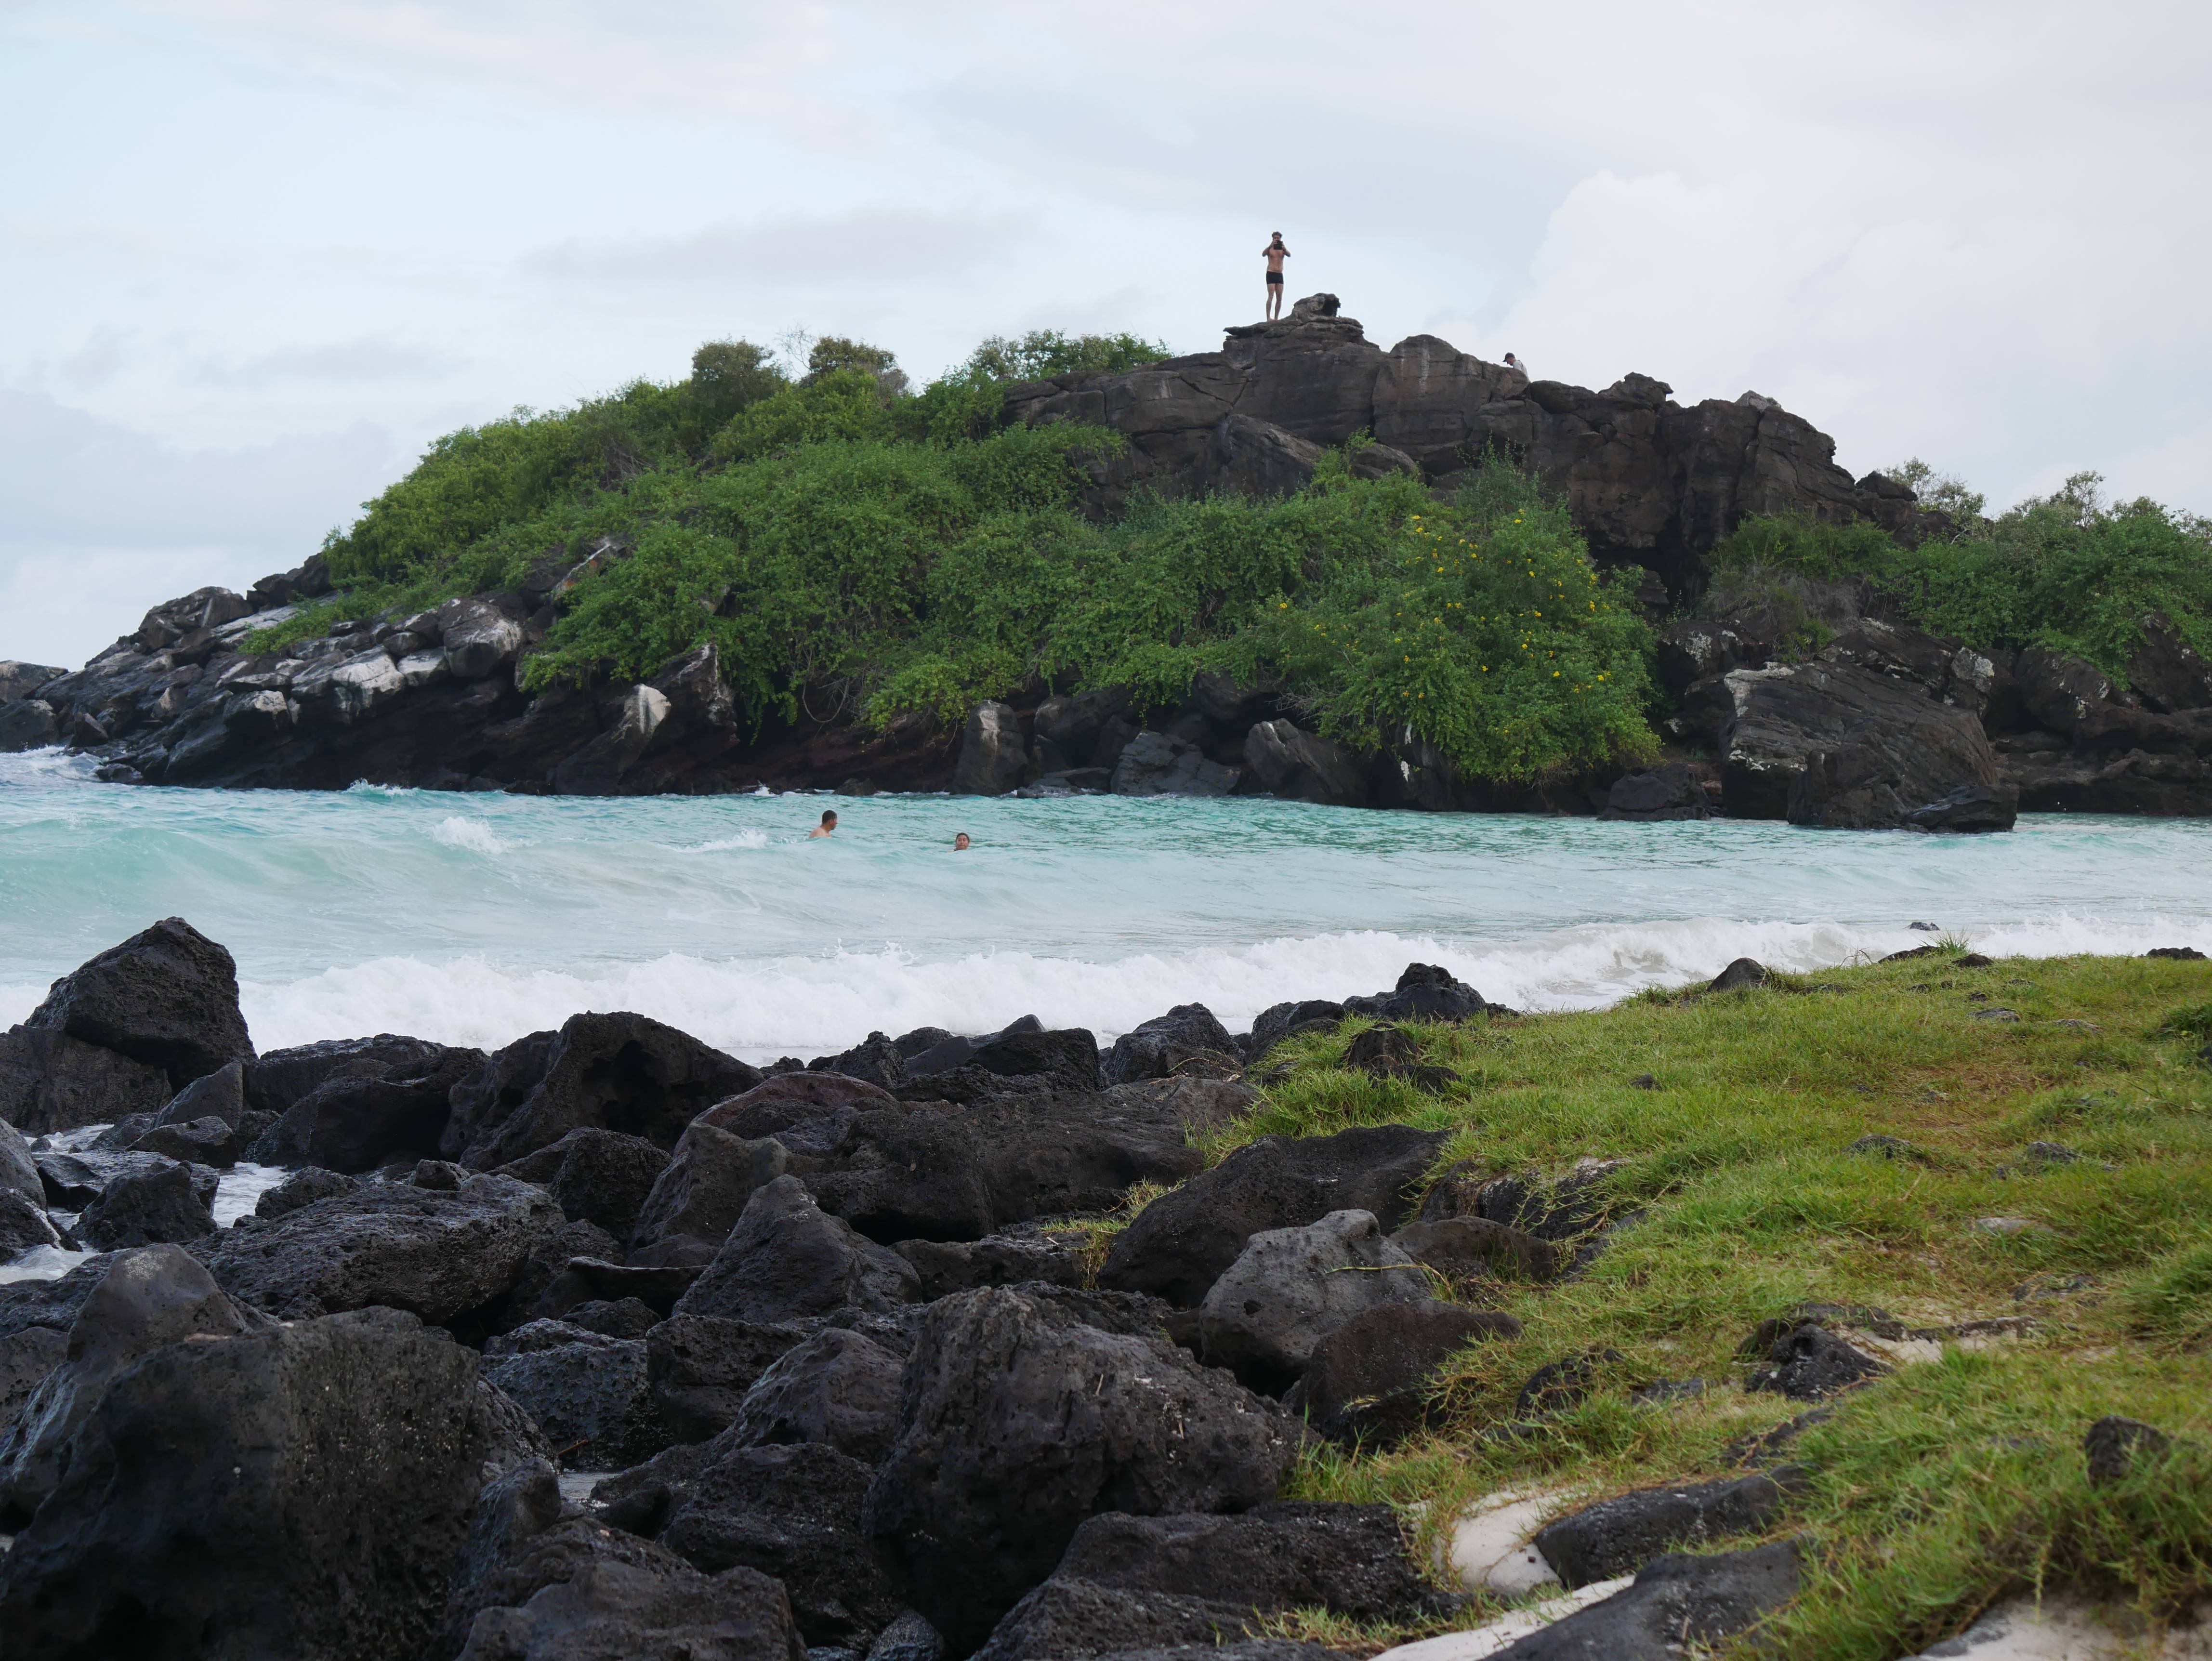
1275, 253
827, 825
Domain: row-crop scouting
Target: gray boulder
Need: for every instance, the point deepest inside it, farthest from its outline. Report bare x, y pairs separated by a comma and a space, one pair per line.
302, 1490
17, 1168
1463, 1246
1145, 1583
166, 997
1668, 792
1619, 1535
788, 1260
1368, 1380
993, 752
1018, 1419
1283, 760
141, 1301
1182, 1243
949, 1266
1186, 1039
701, 1189
365, 1114
1676, 1599
702, 1367
28, 724
1154, 765
837, 1389
2166, 671
590, 1398
24, 1226
659, 1610
221, 1093
171, 1205
602, 1177
793, 1512
50, 1081
1291, 1288
615, 1072
443, 1256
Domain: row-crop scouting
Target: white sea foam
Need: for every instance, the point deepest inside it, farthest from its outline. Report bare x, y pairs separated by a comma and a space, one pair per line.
725, 844
761, 1008
473, 836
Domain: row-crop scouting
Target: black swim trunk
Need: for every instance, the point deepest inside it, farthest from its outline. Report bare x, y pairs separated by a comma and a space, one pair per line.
1275, 278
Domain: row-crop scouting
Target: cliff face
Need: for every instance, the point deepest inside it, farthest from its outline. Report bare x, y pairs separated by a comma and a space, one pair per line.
1650, 483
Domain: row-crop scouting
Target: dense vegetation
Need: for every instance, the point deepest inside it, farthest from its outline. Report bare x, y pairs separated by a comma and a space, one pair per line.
2068, 572
1956, 1480
848, 544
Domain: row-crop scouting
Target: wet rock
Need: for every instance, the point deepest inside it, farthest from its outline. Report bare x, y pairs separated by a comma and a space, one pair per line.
276, 1080
1017, 1420
24, 1226
949, 1266
302, 1490
607, 1607
302, 1187
171, 1205
1181, 1244
612, 1072
1674, 1599
18, 1170
788, 1260
591, 1399
50, 1082
1367, 1380
1464, 1246
993, 752
1742, 973
140, 1301
74, 1180
221, 1093
1425, 992
2116, 1447
1144, 1583
599, 1176
444, 1257
1067, 1055
700, 1190
836, 1388
1809, 1364
27, 1357
1283, 760
793, 1512
367, 1112
702, 1367
1619, 1535
206, 1141
166, 997
1890, 748
1292, 1286
1669, 791
1154, 765
1167, 1045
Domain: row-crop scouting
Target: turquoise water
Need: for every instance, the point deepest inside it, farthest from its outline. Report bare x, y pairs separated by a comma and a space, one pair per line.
475, 919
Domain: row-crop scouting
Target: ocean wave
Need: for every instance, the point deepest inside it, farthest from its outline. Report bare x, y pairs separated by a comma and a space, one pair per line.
765, 1007
472, 835
744, 839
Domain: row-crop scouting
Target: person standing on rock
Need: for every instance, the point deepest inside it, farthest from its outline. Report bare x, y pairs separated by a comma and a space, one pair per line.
1275, 253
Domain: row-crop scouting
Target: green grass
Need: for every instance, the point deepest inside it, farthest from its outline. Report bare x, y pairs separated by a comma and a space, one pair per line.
1954, 1483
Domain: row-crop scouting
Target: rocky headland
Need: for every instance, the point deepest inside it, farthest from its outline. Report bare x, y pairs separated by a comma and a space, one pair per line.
1789, 698
1005, 1345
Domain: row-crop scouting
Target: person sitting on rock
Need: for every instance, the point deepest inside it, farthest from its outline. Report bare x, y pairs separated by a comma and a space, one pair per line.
829, 824
1513, 363
1275, 253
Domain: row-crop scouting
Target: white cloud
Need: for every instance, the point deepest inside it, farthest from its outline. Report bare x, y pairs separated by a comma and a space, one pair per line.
870, 247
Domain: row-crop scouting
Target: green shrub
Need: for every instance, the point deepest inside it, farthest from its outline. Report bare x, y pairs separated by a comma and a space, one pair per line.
2064, 572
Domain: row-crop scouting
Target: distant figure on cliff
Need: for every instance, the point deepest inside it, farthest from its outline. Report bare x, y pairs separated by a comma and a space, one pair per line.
960, 843
829, 824
1275, 253
1513, 363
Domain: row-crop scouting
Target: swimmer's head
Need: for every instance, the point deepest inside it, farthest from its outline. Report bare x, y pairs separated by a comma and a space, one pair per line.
828, 818
960, 843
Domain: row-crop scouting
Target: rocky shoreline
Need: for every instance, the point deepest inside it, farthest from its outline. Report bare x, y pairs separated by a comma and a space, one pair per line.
847, 1375
607, 1343
1880, 726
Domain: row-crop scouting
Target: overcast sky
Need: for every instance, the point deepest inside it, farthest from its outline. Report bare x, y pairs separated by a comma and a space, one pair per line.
257, 252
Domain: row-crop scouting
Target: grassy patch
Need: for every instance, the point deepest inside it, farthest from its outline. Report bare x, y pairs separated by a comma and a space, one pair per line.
1956, 1480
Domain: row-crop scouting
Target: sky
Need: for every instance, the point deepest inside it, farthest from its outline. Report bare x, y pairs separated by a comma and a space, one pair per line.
257, 253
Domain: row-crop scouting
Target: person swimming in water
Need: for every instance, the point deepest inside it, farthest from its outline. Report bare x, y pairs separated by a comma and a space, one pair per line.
829, 824
960, 844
